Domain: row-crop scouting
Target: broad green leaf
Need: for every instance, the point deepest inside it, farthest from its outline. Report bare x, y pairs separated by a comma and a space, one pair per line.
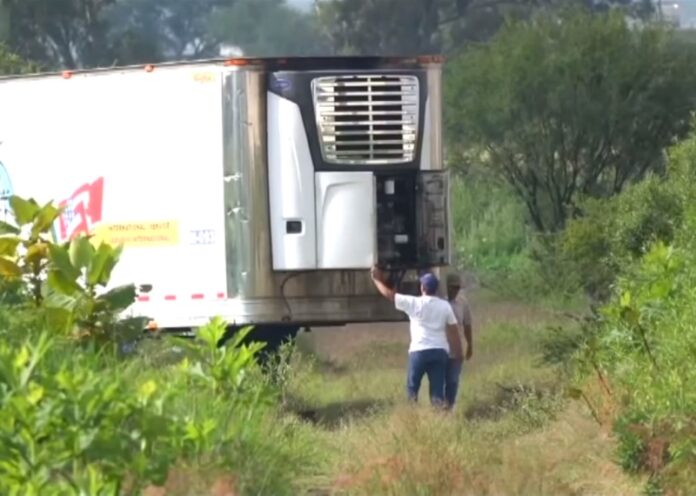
61, 260
37, 252
119, 298
24, 210
191, 430
60, 319
58, 281
8, 246
95, 275
81, 252
35, 394
44, 219
59, 300
9, 269
625, 300
86, 438
22, 358
147, 389
6, 228
111, 262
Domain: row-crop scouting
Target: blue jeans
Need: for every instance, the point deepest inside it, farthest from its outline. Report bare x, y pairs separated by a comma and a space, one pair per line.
454, 372
432, 362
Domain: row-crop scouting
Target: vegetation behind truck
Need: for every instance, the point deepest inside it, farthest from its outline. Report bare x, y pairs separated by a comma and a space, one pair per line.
258, 190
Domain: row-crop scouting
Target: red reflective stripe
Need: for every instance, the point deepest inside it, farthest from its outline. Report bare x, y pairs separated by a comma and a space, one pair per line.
194, 296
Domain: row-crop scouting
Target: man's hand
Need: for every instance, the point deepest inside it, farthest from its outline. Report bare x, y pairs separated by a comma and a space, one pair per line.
377, 274
378, 279
469, 351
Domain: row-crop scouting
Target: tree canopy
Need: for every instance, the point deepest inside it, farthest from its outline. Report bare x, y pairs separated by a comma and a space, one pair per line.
91, 33
398, 27
570, 106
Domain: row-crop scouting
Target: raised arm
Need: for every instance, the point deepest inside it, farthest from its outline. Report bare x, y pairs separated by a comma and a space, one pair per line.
378, 280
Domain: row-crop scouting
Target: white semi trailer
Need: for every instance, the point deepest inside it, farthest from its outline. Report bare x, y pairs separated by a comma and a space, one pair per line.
258, 190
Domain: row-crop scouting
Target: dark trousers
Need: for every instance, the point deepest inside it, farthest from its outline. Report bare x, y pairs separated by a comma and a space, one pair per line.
432, 362
454, 372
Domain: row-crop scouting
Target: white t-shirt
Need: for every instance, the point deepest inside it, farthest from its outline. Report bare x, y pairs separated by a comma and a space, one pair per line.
429, 317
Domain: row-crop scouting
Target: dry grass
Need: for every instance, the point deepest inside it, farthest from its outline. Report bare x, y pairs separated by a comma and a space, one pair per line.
511, 432
421, 452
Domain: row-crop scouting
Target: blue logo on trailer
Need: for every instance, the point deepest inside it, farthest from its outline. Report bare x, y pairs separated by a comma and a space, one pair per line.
280, 84
6, 192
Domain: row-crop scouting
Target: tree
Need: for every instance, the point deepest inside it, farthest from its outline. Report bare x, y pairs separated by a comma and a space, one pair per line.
11, 63
407, 27
58, 33
269, 28
570, 106
154, 30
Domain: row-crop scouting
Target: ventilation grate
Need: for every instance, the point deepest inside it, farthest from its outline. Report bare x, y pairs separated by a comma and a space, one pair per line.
367, 119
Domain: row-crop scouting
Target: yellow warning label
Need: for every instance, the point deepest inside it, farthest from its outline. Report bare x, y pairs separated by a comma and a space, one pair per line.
204, 77
138, 234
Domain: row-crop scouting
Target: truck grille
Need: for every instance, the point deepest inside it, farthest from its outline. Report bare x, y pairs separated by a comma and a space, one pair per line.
367, 119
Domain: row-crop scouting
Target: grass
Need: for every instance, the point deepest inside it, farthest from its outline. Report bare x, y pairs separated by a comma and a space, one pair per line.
512, 431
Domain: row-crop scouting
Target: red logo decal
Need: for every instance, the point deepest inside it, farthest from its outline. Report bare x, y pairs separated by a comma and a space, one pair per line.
81, 211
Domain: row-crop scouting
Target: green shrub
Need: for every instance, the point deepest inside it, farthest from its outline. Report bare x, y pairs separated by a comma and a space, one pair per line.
73, 427
493, 240
489, 223
613, 233
643, 343
100, 423
645, 346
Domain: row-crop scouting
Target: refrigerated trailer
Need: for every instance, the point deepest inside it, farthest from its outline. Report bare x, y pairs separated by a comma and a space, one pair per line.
257, 190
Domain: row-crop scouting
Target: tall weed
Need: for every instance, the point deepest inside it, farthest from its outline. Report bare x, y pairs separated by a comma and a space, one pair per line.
494, 242
642, 349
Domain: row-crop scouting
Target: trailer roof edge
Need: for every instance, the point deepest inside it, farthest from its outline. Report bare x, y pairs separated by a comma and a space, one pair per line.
261, 63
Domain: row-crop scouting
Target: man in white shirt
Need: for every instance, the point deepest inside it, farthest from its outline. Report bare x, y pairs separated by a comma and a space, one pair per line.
460, 307
433, 333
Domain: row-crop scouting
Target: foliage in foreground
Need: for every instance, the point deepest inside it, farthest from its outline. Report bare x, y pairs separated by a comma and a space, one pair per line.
98, 425
101, 423
643, 348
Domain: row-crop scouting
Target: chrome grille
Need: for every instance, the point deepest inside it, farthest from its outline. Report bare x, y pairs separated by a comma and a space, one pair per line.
367, 119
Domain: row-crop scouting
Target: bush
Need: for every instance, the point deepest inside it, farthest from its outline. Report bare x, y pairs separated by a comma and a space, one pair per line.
96, 424
489, 224
71, 426
492, 239
644, 339
102, 423
568, 104
614, 233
